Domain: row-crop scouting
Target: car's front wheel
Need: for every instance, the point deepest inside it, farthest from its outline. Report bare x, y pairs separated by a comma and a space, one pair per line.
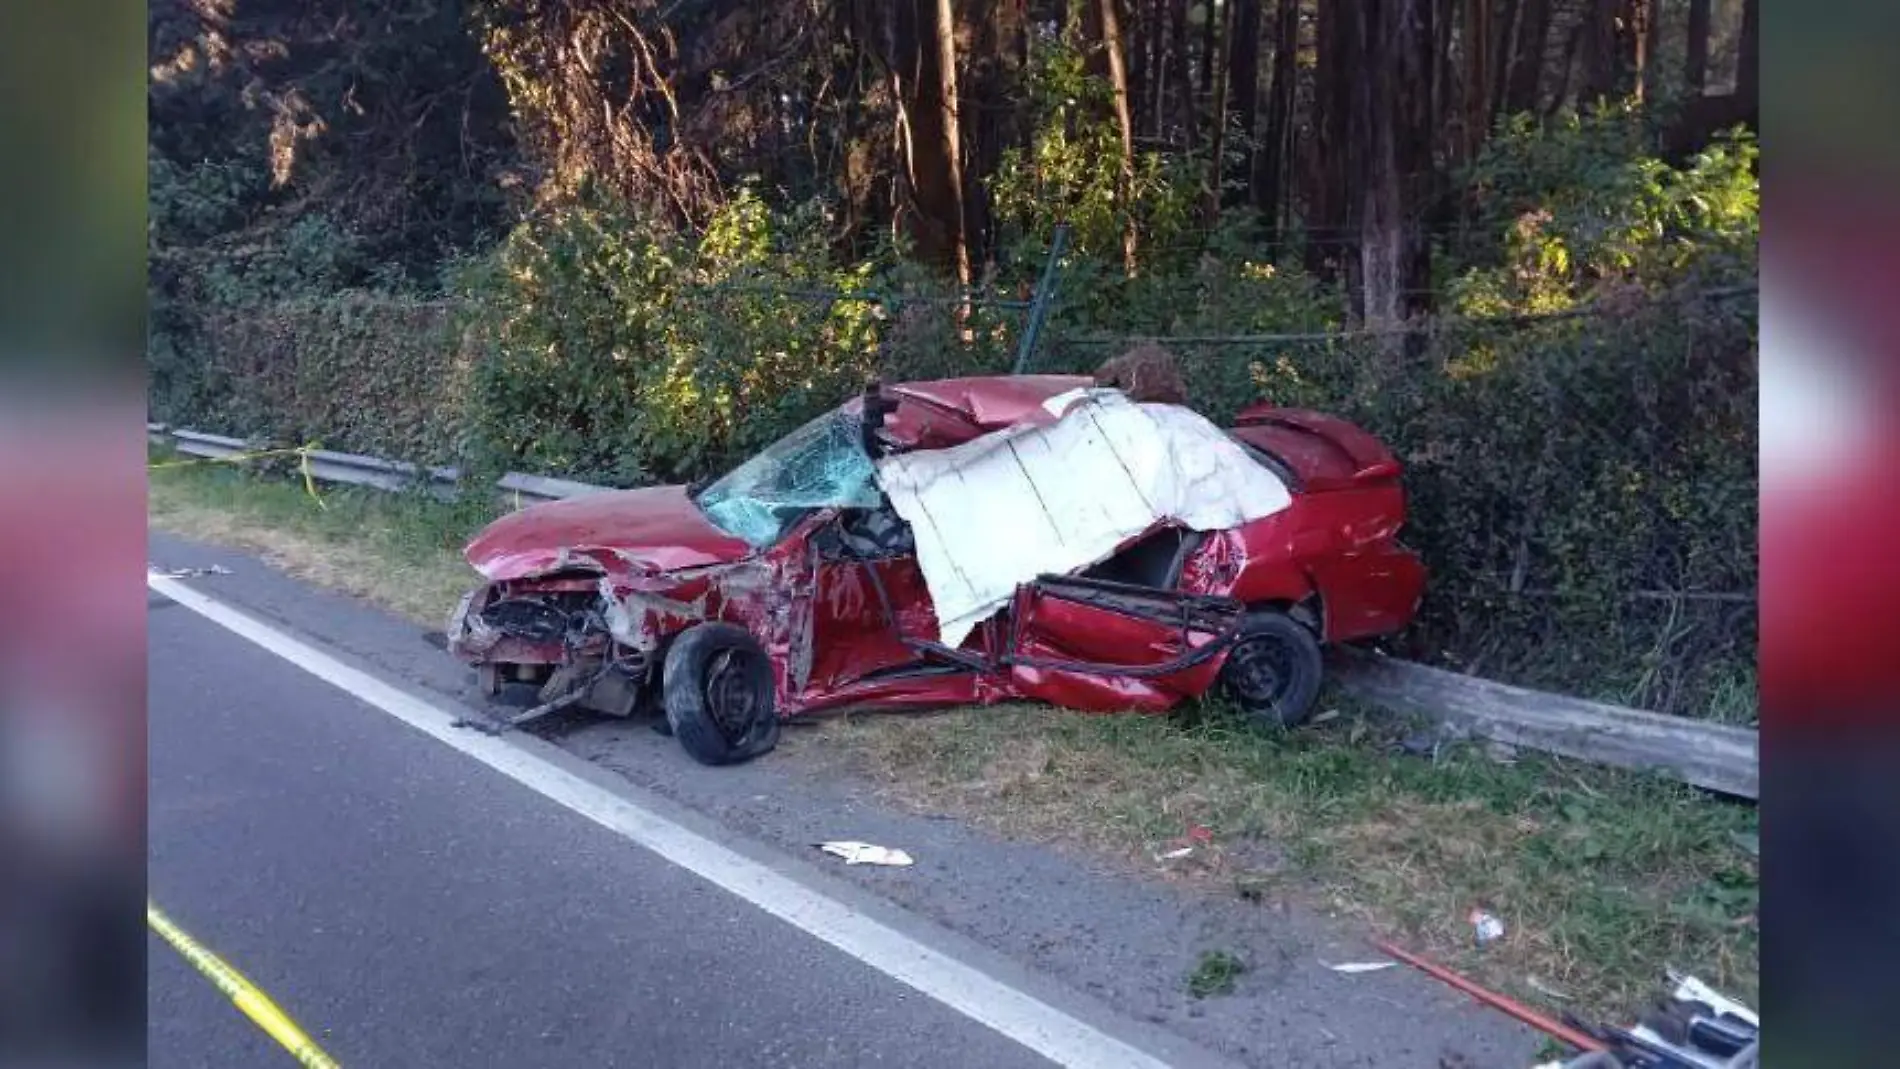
1273, 672
717, 683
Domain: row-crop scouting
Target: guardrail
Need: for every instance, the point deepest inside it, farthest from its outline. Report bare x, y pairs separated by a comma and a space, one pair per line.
1716, 757
356, 469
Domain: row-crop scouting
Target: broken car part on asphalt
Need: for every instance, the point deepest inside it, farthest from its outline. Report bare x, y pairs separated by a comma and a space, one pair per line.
1696, 1027
925, 544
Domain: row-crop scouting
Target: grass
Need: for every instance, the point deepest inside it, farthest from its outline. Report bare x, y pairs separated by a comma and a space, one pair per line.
402, 551
1601, 877
1215, 974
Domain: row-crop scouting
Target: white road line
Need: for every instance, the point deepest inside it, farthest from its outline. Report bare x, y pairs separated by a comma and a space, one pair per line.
1029, 1021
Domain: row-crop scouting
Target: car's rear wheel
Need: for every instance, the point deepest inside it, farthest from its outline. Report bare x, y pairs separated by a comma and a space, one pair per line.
1273, 672
717, 684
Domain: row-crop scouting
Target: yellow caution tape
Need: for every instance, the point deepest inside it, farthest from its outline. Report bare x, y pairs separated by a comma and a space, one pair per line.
234, 458
252, 1002
310, 484
302, 452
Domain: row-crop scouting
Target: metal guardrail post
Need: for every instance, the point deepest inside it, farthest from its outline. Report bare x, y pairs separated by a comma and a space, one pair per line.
1045, 295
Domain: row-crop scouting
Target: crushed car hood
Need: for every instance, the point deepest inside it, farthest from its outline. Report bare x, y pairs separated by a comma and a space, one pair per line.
655, 529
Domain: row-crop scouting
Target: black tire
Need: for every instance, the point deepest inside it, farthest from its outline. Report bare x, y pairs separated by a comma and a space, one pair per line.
717, 684
1273, 672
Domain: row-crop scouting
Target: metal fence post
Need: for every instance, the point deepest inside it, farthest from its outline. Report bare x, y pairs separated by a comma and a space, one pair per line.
1045, 294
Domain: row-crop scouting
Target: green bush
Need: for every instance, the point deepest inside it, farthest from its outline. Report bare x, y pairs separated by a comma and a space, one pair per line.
354, 371
1578, 425
1071, 170
614, 352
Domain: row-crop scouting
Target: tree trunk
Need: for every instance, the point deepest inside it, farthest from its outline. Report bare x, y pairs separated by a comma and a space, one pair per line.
1599, 49
1243, 75
1207, 53
952, 135
1275, 147
915, 129
1394, 116
1527, 57
1695, 69
997, 33
1748, 67
1651, 45
1567, 67
928, 132
1118, 80
1503, 50
1441, 74
1475, 88
1158, 27
1330, 211
1134, 58
1217, 146
1183, 76
1634, 30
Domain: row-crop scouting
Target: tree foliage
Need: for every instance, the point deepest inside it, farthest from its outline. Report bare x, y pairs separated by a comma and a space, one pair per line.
596, 238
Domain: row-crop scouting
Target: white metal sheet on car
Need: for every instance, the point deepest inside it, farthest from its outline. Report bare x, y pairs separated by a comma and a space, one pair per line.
1003, 509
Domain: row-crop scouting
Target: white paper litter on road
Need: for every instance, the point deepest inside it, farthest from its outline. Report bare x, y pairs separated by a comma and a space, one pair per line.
866, 853
186, 573
1352, 968
1027, 501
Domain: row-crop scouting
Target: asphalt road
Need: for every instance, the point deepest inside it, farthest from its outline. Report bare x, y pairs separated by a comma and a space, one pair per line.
410, 907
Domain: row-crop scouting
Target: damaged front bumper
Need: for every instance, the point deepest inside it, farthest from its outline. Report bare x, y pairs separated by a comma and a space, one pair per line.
556, 637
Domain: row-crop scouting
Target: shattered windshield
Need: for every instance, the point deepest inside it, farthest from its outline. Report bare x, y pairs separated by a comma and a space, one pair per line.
819, 465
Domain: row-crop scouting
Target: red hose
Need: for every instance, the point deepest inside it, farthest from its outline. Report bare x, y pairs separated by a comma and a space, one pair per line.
1555, 1029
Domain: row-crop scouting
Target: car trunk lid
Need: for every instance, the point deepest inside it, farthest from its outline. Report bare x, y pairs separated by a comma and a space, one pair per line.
1323, 452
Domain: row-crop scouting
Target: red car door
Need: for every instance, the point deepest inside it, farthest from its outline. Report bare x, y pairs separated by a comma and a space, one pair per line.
1097, 644
869, 603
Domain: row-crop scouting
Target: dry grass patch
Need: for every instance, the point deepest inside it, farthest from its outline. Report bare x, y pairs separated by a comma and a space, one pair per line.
1601, 877
402, 552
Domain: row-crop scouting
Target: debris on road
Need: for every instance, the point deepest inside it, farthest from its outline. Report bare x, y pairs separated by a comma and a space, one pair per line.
855, 853
1696, 1027
186, 573
1555, 1029
1354, 968
1197, 842
495, 726
1486, 927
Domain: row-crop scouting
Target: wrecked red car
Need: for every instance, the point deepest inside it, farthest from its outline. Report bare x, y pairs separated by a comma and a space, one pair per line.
964, 541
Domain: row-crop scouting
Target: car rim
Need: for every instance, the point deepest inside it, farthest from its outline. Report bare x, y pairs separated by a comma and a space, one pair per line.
1263, 672
730, 696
